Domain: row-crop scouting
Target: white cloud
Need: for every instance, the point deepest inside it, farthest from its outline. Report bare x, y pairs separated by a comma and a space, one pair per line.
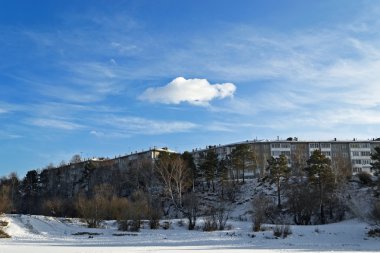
194, 91
3, 110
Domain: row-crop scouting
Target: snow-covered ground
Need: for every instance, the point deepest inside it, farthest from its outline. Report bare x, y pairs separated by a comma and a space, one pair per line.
32, 234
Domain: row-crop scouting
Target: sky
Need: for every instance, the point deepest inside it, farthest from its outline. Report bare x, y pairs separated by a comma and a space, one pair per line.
106, 78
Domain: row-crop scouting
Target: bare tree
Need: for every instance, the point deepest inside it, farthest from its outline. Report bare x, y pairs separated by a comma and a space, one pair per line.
190, 208
96, 208
5, 201
299, 156
302, 201
53, 206
341, 167
76, 159
262, 206
176, 178
62, 163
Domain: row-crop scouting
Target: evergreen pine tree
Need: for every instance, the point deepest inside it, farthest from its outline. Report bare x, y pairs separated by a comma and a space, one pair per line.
278, 169
376, 158
320, 174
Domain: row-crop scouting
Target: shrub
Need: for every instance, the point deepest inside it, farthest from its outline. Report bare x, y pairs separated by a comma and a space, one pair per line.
286, 231
154, 223
166, 225
129, 225
303, 202
277, 231
365, 178
210, 224
374, 232
154, 218
3, 223
123, 225
262, 209
375, 213
256, 225
134, 225
221, 215
3, 234
181, 223
282, 231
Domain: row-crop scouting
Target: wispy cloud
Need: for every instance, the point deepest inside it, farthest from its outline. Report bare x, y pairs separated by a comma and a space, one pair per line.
55, 123
128, 126
319, 72
4, 135
279, 78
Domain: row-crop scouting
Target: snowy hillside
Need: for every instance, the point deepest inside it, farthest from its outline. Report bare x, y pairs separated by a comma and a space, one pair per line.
47, 234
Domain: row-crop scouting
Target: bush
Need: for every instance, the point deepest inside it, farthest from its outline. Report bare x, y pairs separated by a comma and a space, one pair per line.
134, 225
286, 231
154, 223
365, 178
137, 210
154, 218
303, 202
3, 223
256, 225
3, 234
181, 223
123, 225
210, 224
262, 209
166, 225
374, 232
277, 231
375, 213
129, 225
282, 231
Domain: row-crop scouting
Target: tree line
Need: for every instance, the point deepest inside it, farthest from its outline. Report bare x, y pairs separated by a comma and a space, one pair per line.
174, 184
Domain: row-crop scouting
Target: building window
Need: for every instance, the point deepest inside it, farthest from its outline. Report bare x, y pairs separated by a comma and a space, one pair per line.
364, 145
314, 145
355, 153
365, 153
366, 161
326, 153
325, 145
354, 145
276, 145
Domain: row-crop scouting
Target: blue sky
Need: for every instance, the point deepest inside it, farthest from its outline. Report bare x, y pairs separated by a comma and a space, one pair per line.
105, 78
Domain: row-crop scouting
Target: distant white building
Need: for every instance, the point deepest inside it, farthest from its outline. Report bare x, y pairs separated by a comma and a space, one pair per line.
354, 155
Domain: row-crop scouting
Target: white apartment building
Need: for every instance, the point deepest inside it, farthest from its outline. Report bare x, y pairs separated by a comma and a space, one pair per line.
354, 154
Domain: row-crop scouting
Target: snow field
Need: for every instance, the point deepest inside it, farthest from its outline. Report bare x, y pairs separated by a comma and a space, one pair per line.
32, 234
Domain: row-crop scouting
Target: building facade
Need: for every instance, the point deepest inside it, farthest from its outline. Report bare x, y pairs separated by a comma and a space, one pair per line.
353, 156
